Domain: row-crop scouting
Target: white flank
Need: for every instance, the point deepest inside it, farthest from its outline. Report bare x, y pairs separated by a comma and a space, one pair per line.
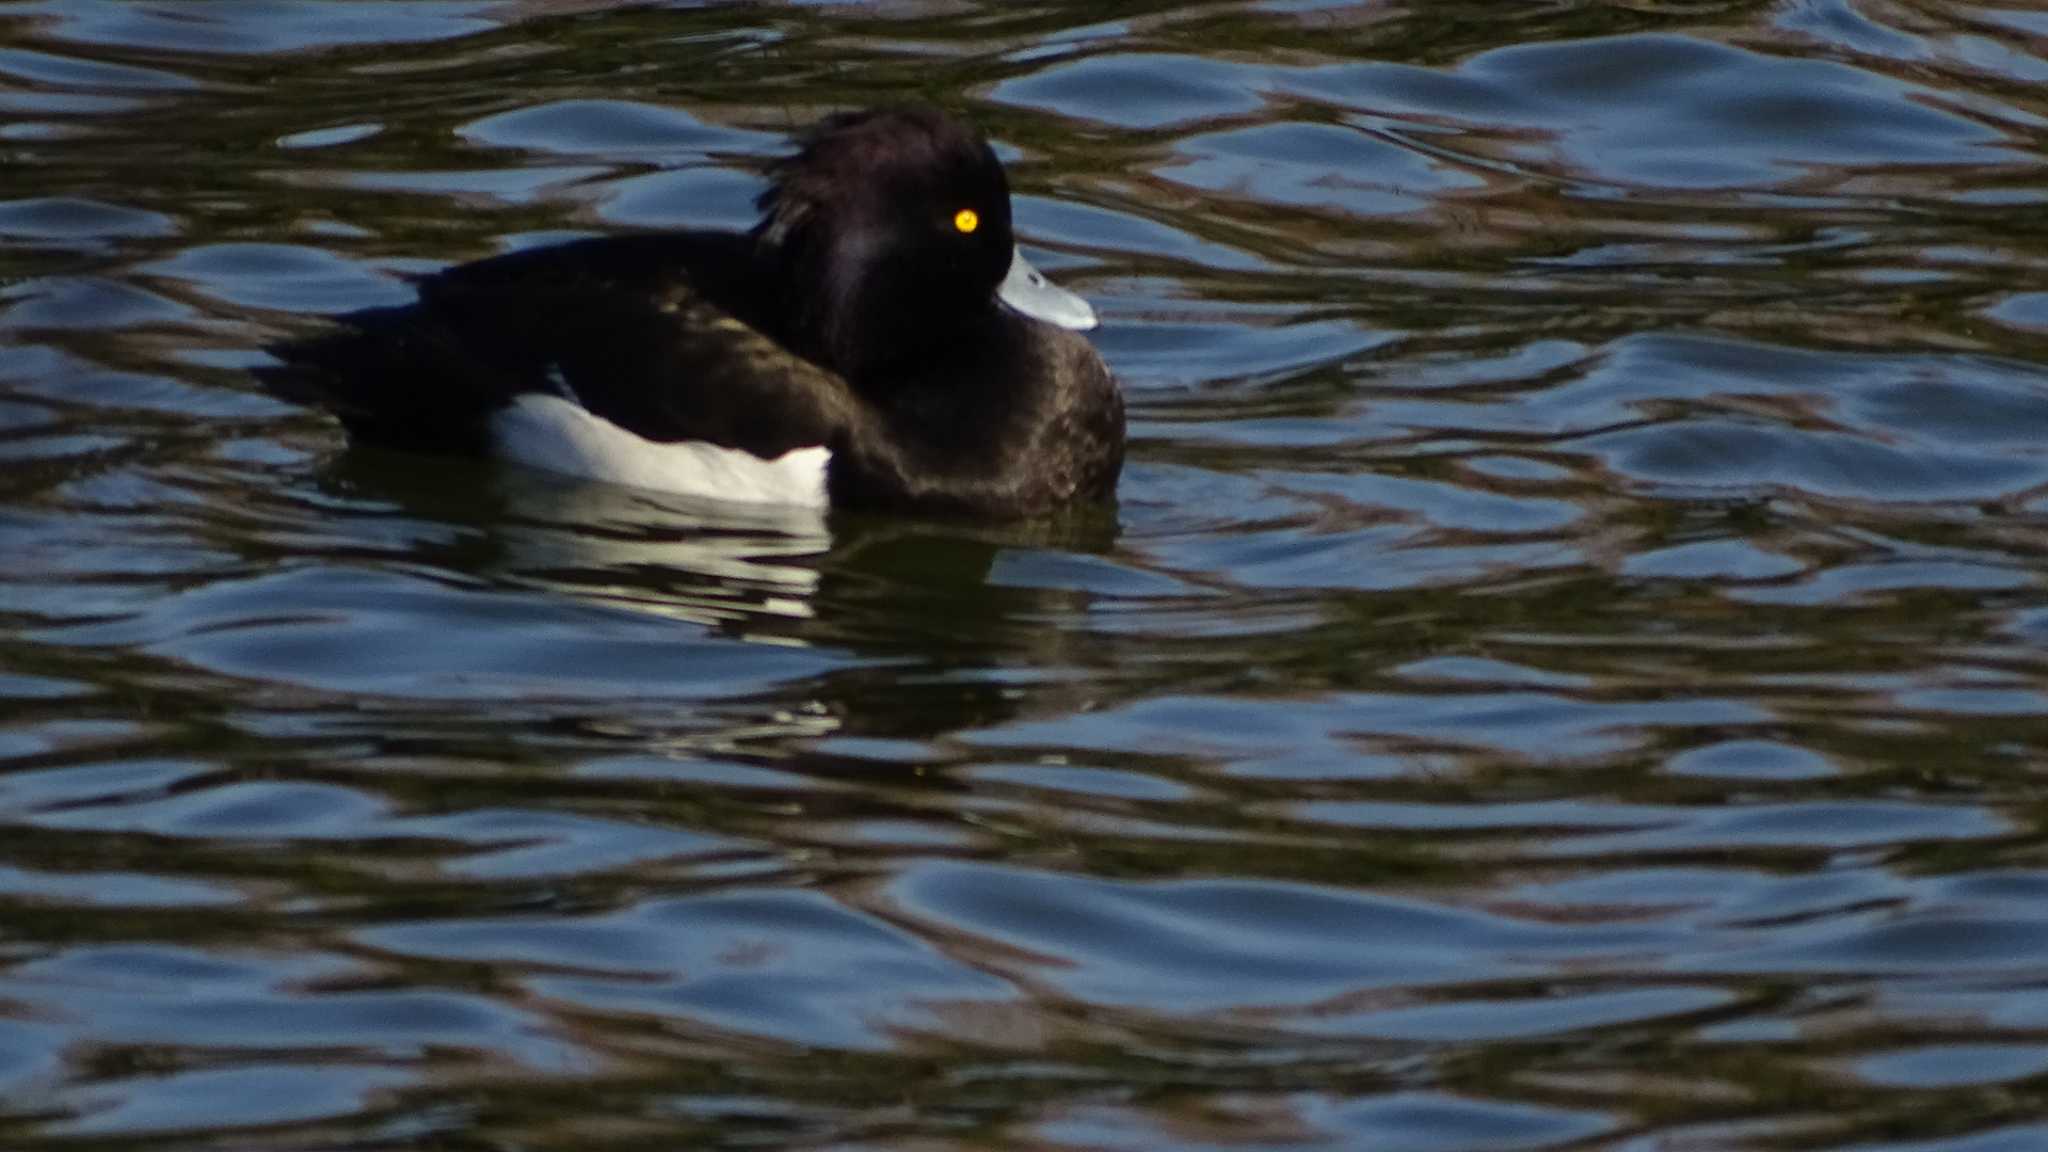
551, 433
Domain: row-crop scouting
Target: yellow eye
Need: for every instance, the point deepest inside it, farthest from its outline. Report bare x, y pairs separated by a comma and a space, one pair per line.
966, 220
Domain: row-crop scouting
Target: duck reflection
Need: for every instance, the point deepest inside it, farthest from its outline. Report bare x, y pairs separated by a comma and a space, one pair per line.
910, 602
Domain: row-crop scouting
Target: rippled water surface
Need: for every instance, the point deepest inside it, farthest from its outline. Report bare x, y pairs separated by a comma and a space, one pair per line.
1566, 670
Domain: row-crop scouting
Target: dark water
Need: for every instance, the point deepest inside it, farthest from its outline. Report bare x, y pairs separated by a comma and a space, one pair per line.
1566, 671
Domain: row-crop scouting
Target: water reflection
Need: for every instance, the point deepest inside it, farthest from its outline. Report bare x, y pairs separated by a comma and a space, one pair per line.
1564, 671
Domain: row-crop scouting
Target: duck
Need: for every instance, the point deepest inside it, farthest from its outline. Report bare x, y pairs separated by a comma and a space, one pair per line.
876, 341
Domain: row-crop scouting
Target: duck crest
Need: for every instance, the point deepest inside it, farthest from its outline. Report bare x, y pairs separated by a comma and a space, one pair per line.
850, 230
819, 273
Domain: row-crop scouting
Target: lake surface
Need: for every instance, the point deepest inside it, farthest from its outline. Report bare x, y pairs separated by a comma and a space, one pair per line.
1566, 670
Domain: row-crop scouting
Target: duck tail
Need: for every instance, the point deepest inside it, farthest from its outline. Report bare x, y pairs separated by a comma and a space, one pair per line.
392, 377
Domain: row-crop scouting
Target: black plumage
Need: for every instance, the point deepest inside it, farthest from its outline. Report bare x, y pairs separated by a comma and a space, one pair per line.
860, 314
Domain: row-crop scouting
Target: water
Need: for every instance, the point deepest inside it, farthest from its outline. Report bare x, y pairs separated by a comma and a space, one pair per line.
1566, 670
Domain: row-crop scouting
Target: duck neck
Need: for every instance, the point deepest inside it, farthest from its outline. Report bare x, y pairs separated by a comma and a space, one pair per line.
845, 308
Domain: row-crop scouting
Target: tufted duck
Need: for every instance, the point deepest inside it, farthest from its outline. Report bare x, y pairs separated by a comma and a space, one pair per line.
876, 341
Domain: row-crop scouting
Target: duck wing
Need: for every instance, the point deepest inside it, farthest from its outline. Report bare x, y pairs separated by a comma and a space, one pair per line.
644, 331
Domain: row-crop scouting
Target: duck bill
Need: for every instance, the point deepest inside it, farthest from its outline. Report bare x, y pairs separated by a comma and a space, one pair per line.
1028, 291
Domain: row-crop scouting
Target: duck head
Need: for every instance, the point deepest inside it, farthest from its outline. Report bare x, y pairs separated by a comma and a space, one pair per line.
889, 232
